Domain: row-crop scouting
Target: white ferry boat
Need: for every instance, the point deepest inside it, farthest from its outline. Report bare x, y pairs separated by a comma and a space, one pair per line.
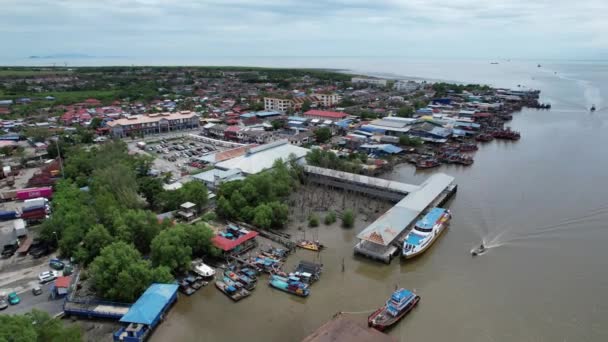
425, 232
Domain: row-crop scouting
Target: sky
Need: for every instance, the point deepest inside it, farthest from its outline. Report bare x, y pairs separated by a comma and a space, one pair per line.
552, 29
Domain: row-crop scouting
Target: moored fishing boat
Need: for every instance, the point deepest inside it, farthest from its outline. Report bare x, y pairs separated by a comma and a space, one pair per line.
401, 302
314, 246
506, 134
291, 285
427, 163
468, 147
231, 291
484, 137
425, 232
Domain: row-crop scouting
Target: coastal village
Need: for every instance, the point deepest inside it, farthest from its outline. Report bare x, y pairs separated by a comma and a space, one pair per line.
209, 179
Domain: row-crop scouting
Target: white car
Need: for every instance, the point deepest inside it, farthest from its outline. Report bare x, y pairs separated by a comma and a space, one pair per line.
45, 277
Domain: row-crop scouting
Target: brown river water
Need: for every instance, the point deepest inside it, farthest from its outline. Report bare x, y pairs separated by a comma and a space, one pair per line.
541, 204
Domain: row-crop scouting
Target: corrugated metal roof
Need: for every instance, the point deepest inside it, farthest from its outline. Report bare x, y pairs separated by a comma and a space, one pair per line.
364, 180
392, 223
262, 157
150, 305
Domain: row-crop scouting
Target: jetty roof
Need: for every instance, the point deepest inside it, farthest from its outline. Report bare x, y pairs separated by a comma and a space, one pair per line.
262, 157
150, 305
391, 224
341, 328
363, 180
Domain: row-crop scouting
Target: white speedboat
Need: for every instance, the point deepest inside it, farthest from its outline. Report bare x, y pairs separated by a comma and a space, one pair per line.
425, 232
203, 270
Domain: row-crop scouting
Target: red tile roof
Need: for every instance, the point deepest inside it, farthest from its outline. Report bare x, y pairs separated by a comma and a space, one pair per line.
326, 114
63, 282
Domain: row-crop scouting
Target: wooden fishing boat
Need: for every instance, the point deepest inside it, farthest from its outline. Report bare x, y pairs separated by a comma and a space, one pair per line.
232, 292
314, 246
427, 163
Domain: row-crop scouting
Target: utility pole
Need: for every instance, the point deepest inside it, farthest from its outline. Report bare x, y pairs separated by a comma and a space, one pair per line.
60, 160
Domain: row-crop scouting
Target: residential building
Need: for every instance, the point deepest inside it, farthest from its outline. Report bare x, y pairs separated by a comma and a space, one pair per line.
277, 104
327, 100
324, 115
369, 81
153, 123
406, 86
301, 138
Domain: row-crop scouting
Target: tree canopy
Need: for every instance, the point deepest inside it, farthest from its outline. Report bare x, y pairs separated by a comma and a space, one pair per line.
322, 134
37, 326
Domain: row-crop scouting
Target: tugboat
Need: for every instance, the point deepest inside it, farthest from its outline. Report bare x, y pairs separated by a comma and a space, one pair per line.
425, 232
427, 163
592, 108
314, 246
401, 302
291, 285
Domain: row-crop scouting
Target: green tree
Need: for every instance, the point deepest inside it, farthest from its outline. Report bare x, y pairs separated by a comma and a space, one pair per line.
195, 192
37, 326
330, 218
151, 189
263, 216
322, 134
120, 182
405, 112
199, 239
348, 219
94, 241
313, 221
95, 123
277, 124
410, 141
170, 249
306, 106
139, 227
119, 273
280, 214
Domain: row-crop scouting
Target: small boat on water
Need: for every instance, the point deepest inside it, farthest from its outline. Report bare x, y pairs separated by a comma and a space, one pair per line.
507, 134
427, 163
231, 291
401, 303
479, 250
242, 279
203, 270
291, 285
468, 147
314, 246
484, 137
592, 108
425, 232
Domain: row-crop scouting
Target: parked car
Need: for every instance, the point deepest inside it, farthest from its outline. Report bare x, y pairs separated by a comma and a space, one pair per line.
56, 264
40, 251
13, 299
47, 276
37, 290
3, 303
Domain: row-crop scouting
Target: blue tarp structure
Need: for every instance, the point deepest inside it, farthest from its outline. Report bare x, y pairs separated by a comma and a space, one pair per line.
372, 129
392, 149
343, 123
151, 304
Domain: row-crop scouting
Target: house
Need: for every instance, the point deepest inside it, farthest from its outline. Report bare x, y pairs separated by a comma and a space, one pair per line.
230, 133
325, 115
406, 86
369, 81
216, 130
301, 138
153, 123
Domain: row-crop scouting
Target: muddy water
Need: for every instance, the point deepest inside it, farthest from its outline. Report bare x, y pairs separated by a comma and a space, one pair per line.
542, 203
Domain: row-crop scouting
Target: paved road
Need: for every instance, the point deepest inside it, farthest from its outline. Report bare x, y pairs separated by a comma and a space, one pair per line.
41, 302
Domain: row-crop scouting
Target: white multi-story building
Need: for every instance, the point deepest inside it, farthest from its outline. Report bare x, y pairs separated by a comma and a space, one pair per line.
278, 104
407, 86
371, 81
153, 123
327, 100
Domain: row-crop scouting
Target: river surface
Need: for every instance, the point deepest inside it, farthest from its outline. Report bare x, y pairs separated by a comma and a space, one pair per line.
541, 204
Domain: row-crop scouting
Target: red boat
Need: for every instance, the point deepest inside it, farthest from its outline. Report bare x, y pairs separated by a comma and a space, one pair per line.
427, 163
400, 304
507, 134
468, 148
484, 137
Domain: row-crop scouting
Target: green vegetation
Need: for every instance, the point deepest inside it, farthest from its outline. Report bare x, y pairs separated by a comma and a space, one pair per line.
258, 198
406, 140
322, 134
330, 218
443, 89
37, 326
405, 112
108, 227
313, 221
348, 219
330, 160
32, 72
119, 273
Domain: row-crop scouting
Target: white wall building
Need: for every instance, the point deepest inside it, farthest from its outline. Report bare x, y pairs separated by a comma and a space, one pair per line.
406, 86
371, 81
327, 100
278, 104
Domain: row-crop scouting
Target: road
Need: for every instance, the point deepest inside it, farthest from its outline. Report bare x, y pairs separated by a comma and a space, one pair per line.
41, 302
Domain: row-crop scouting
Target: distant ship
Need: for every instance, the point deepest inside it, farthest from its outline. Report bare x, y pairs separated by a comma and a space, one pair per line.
493, 62
592, 108
538, 66
425, 232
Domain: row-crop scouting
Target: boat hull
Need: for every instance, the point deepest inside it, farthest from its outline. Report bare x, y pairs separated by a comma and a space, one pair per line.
377, 322
412, 254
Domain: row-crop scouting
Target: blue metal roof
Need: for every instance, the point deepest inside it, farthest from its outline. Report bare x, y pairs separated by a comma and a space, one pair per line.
413, 239
150, 305
247, 115
401, 294
270, 113
388, 148
372, 129
429, 220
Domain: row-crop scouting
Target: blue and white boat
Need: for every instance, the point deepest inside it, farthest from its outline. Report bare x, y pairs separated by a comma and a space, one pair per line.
291, 285
401, 302
425, 232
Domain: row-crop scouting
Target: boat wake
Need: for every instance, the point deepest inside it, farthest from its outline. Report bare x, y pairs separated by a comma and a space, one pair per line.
510, 235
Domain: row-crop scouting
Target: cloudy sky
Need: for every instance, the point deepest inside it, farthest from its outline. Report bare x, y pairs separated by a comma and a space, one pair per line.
200, 28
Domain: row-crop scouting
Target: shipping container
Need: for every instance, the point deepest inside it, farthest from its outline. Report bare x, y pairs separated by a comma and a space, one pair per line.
24, 194
19, 227
35, 202
8, 215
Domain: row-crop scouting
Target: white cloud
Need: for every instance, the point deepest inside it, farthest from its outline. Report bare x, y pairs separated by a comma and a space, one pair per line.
476, 28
